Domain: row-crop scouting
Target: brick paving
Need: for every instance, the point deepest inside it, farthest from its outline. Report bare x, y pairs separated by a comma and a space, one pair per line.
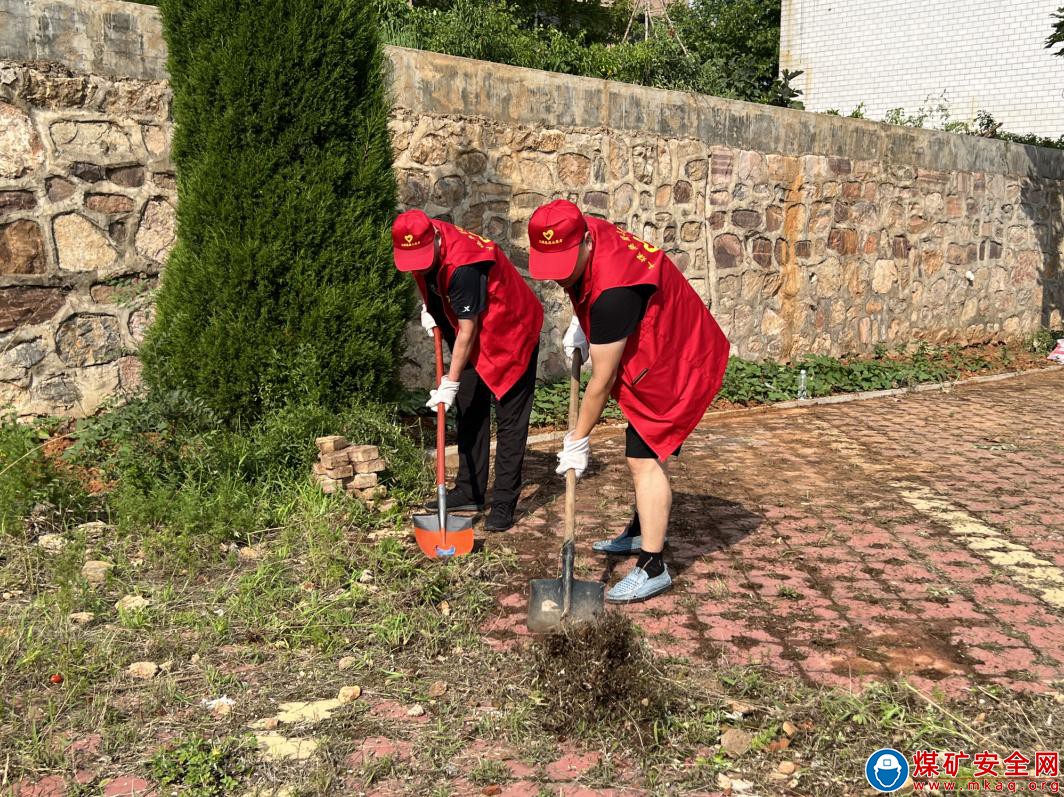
918, 536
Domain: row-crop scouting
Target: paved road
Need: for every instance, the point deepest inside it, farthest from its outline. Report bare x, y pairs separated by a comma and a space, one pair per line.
920, 536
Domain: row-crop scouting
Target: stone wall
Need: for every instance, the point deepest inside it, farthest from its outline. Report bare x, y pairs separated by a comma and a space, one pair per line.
86, 221
804, 232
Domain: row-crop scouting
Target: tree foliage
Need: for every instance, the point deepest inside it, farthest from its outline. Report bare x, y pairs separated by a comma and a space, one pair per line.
280, 286
1056, 39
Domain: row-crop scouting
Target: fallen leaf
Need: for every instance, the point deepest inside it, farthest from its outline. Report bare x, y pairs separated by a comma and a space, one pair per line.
789, 728
787, 767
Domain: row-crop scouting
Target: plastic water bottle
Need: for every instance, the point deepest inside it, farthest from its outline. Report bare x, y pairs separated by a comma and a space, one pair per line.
803, 389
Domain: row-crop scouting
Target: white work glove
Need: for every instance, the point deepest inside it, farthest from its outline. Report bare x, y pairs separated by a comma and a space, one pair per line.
574, 339
444, 394
428, 323
574, 455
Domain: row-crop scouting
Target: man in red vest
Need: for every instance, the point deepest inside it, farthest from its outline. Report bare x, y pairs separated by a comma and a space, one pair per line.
653, 346
491, 321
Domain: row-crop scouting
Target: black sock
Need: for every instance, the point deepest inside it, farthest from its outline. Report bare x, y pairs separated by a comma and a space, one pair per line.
633, 529
651, 563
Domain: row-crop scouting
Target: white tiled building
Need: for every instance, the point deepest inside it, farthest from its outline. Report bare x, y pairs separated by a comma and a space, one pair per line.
981, 54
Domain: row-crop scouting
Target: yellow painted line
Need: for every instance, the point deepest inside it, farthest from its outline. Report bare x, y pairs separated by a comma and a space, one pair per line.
1023, 565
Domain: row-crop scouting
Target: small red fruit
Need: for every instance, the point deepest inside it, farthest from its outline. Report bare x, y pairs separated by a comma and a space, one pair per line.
56, 679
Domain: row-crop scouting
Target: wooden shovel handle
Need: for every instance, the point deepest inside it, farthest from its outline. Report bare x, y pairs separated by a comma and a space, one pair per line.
441, 413
570, 475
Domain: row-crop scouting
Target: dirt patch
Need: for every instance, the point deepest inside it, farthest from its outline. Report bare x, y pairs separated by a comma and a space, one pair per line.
599, 675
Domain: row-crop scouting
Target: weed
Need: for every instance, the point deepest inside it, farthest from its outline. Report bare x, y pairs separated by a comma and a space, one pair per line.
205, 768
550, 405
487, 772
29, 479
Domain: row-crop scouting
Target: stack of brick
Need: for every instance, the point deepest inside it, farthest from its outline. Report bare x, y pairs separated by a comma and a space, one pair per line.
353, 469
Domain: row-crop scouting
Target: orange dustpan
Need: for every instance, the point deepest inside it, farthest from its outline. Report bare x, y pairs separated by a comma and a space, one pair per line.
437, 535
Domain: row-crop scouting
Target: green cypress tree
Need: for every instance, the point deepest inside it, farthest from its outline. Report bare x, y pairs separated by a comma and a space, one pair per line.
281, 284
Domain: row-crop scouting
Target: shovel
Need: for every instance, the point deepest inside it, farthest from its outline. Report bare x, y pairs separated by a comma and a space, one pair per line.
439, 536
555, 602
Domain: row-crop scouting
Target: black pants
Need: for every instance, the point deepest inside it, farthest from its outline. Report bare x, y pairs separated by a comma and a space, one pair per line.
512, 411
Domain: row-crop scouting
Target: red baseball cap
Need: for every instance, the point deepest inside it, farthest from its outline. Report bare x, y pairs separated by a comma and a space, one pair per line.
554, 235
413, 237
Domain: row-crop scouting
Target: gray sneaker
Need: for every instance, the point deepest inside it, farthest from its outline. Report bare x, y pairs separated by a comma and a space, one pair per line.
638, 586
619, 544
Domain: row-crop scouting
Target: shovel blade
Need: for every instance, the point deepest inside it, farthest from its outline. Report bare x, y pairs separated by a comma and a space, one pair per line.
545, 604
430, 538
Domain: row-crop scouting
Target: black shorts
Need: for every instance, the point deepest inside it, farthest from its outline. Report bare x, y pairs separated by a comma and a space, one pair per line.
636, 447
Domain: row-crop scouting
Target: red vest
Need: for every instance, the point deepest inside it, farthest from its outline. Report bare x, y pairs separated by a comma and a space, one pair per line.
673, 364
510, 326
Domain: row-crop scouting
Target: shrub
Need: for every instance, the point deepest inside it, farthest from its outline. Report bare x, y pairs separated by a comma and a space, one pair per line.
724, 47
280, 284
28, 477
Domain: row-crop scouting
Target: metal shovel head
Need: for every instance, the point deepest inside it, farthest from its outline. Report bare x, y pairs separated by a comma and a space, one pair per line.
430, 539
545, 604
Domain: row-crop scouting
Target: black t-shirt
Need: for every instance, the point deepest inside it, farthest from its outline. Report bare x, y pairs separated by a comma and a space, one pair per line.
467, 294
617, 312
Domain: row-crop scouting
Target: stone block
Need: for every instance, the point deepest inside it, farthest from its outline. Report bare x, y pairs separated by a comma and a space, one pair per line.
358, 454
21, 248
15, 201
88, 339
361, 481
108, 203
335, 459
157, 230
28, 305
330, 443
81, 245
727, 250
370, 466
21, 151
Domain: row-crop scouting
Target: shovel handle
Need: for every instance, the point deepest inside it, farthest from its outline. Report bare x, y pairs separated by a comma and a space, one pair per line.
441, 443
441, 412
570, 475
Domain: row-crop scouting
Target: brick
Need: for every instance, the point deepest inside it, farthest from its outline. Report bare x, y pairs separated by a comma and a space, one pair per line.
329, 485
370, 466
333, 442
362, 481
335, 459
343, 472
372, 493
363, 453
